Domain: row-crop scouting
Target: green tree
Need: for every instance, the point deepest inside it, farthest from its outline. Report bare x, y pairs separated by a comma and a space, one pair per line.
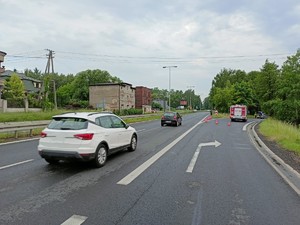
242, 94
90, 77
265, 85
289, 90
35, 74
64, 94
223, 98
206, 103
158, 94
14, 87
176, 97
222, 79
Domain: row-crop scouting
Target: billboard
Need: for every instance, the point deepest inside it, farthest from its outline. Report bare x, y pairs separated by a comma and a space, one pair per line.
183, 102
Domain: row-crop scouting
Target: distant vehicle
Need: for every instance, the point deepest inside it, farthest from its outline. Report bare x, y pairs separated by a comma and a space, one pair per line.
85, 136
261, 115
171, 118
238, 113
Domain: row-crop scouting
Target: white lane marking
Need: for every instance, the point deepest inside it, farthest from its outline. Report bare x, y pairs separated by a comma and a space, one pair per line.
135, 173
197, 152
245, 126
19, 141
75, 220
15, 164
194, 160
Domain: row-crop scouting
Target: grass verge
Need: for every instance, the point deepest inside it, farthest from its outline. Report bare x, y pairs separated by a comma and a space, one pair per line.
286, 135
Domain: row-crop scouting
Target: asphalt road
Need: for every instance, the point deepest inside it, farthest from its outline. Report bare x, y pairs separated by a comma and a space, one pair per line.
177, 175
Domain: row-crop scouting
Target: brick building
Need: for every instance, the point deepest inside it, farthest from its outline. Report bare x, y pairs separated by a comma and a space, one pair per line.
142, 97
112, 96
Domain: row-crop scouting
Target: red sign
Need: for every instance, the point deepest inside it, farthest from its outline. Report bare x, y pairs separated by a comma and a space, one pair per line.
183, 102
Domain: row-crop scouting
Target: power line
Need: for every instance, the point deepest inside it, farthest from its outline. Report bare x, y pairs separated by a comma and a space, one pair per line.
75, 56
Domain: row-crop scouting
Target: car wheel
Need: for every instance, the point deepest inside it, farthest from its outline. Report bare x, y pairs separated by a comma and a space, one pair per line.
100, 156
133, 143
52, 161
162, 124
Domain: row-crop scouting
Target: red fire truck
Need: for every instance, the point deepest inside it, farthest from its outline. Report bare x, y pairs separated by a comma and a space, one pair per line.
238, 113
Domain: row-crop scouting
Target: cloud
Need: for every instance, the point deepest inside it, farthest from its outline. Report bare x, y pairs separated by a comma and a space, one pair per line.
134, 39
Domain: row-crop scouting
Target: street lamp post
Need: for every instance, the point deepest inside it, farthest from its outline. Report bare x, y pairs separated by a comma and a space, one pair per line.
190, 88
169, 83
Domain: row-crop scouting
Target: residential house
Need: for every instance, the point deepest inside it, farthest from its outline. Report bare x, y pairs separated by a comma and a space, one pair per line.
31, 85
2, 55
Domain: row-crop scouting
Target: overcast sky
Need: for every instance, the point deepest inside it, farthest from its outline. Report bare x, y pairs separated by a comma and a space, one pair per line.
135, 39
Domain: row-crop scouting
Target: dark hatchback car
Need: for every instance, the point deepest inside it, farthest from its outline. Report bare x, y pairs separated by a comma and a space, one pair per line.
261, 115
171, 118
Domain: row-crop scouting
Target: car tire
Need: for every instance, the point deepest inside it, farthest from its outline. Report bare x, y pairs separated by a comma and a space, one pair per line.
100, 156
133, 143
52, 161
162, 124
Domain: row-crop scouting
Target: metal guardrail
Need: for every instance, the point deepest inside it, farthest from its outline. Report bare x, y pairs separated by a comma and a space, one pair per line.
15, 127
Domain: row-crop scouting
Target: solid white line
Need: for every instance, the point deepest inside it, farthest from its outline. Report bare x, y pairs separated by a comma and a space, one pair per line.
15, 164
135, 173
245, 126
75, 220
194, 160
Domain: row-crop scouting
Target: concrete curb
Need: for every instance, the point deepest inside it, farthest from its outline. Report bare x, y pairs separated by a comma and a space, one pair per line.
289, 175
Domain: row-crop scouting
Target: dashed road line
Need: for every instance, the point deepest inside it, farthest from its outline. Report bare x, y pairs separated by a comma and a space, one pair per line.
75, 220
15, 164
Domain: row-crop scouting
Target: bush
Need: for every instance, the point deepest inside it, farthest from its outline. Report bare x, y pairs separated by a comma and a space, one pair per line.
77, 104
126, 112
46, 105
33, 101
15, 103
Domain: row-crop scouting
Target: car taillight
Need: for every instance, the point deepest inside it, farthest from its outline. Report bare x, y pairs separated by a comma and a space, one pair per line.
88, 136
163, 117
43, 134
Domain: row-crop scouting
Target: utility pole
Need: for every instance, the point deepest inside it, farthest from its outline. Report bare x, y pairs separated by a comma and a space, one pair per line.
47, 71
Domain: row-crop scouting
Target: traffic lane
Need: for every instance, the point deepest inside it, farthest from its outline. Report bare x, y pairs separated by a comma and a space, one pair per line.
239, 186
22, 181
18, 152
61, 175
231, 184
23, 151
187, 119
102, 193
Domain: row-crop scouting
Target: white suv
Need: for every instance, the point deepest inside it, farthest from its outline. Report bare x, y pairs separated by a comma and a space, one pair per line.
85, 136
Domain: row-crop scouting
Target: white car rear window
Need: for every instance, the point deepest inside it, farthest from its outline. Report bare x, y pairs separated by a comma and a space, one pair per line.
62, 123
